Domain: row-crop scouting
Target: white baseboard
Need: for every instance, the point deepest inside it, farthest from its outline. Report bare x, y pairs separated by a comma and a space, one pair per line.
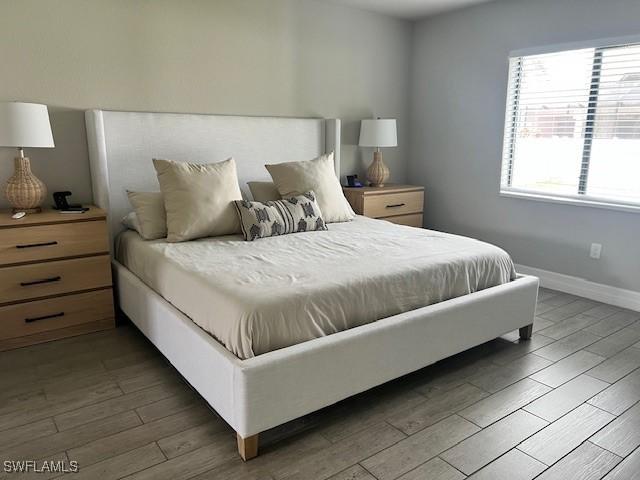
584, 288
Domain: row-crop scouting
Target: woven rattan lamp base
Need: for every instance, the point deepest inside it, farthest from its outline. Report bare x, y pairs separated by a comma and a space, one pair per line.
25, 192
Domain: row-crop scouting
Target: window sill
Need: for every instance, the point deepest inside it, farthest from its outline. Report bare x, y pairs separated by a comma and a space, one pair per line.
541, 197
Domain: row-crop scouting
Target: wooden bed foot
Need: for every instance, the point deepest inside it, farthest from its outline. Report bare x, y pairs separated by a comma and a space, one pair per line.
525, 332
248, 447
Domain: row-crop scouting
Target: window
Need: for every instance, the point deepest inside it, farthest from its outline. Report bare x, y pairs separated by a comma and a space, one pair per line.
572, 129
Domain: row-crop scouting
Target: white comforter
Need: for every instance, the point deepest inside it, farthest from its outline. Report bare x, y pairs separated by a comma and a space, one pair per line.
259, 296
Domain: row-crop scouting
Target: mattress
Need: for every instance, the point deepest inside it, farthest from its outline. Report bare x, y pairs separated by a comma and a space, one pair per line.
255, 297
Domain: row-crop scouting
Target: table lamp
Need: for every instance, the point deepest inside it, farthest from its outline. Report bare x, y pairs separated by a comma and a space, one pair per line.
380, 132
25, 125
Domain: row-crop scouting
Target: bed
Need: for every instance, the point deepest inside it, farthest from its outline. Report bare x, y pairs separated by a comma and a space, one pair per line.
284, 290
239, 353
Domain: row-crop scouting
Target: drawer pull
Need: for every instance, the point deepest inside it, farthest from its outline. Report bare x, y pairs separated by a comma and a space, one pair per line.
38, 282
396, 205
31, 245
44, 317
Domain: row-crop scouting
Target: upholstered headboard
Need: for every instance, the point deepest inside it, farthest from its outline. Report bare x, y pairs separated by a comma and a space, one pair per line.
122, 144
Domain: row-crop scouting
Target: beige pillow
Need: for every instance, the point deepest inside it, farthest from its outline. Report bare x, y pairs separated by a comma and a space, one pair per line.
199, 198
130, 222
149, 210
317, 175
264, 191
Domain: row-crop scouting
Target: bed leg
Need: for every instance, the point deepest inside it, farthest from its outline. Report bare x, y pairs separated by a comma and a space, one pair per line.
248, 447
525, 332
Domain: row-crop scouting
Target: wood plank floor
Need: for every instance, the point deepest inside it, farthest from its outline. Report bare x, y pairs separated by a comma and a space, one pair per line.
563, 405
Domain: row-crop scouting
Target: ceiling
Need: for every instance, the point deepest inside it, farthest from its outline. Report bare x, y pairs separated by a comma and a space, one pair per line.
409, 9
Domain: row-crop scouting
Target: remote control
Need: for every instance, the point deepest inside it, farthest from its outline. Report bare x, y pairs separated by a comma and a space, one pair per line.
18, 215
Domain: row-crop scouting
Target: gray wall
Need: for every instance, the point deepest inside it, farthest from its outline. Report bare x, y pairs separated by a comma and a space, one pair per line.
248, 57
458, 104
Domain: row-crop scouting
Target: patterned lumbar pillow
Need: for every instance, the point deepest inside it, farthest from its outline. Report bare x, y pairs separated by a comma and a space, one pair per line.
279, 217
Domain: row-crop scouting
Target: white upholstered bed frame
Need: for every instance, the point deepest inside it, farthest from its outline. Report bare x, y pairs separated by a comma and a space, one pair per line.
259, 393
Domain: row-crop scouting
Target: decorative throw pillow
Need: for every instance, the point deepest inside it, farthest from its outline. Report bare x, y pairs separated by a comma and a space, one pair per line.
279, 217
318, 175
198, 198
264, 191
149, 210
130, 221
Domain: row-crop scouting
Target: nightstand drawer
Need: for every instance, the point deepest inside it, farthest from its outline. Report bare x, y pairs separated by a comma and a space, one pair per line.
25, 282
393, 204
411, 220
44, 242
45, 315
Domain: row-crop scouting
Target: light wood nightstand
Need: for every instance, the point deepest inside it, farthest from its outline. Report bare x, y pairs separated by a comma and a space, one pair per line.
401, 204
55, 276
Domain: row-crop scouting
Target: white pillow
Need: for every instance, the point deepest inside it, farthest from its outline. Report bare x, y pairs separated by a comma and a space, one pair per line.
199, 198
149, 210
264, 191
130, 221
317, 175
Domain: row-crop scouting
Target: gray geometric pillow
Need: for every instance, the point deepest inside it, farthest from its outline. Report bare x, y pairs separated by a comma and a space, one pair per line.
279, 217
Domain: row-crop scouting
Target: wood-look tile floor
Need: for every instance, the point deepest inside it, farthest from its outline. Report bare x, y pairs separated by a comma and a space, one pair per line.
563, 405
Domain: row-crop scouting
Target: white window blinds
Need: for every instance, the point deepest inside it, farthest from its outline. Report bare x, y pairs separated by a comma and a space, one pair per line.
572, 127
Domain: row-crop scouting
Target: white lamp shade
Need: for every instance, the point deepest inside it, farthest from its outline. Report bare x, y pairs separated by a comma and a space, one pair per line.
25, 125
379, 132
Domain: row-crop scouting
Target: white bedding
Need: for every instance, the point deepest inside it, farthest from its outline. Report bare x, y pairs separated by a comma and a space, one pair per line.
255, 297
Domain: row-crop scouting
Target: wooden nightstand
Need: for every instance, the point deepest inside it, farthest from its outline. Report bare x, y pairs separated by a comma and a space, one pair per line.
401, 204
55, 276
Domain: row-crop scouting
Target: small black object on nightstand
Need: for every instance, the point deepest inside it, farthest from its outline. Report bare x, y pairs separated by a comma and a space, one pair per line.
352, 181
61, 204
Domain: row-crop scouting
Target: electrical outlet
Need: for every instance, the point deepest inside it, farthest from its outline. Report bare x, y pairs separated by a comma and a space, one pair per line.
596, 250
